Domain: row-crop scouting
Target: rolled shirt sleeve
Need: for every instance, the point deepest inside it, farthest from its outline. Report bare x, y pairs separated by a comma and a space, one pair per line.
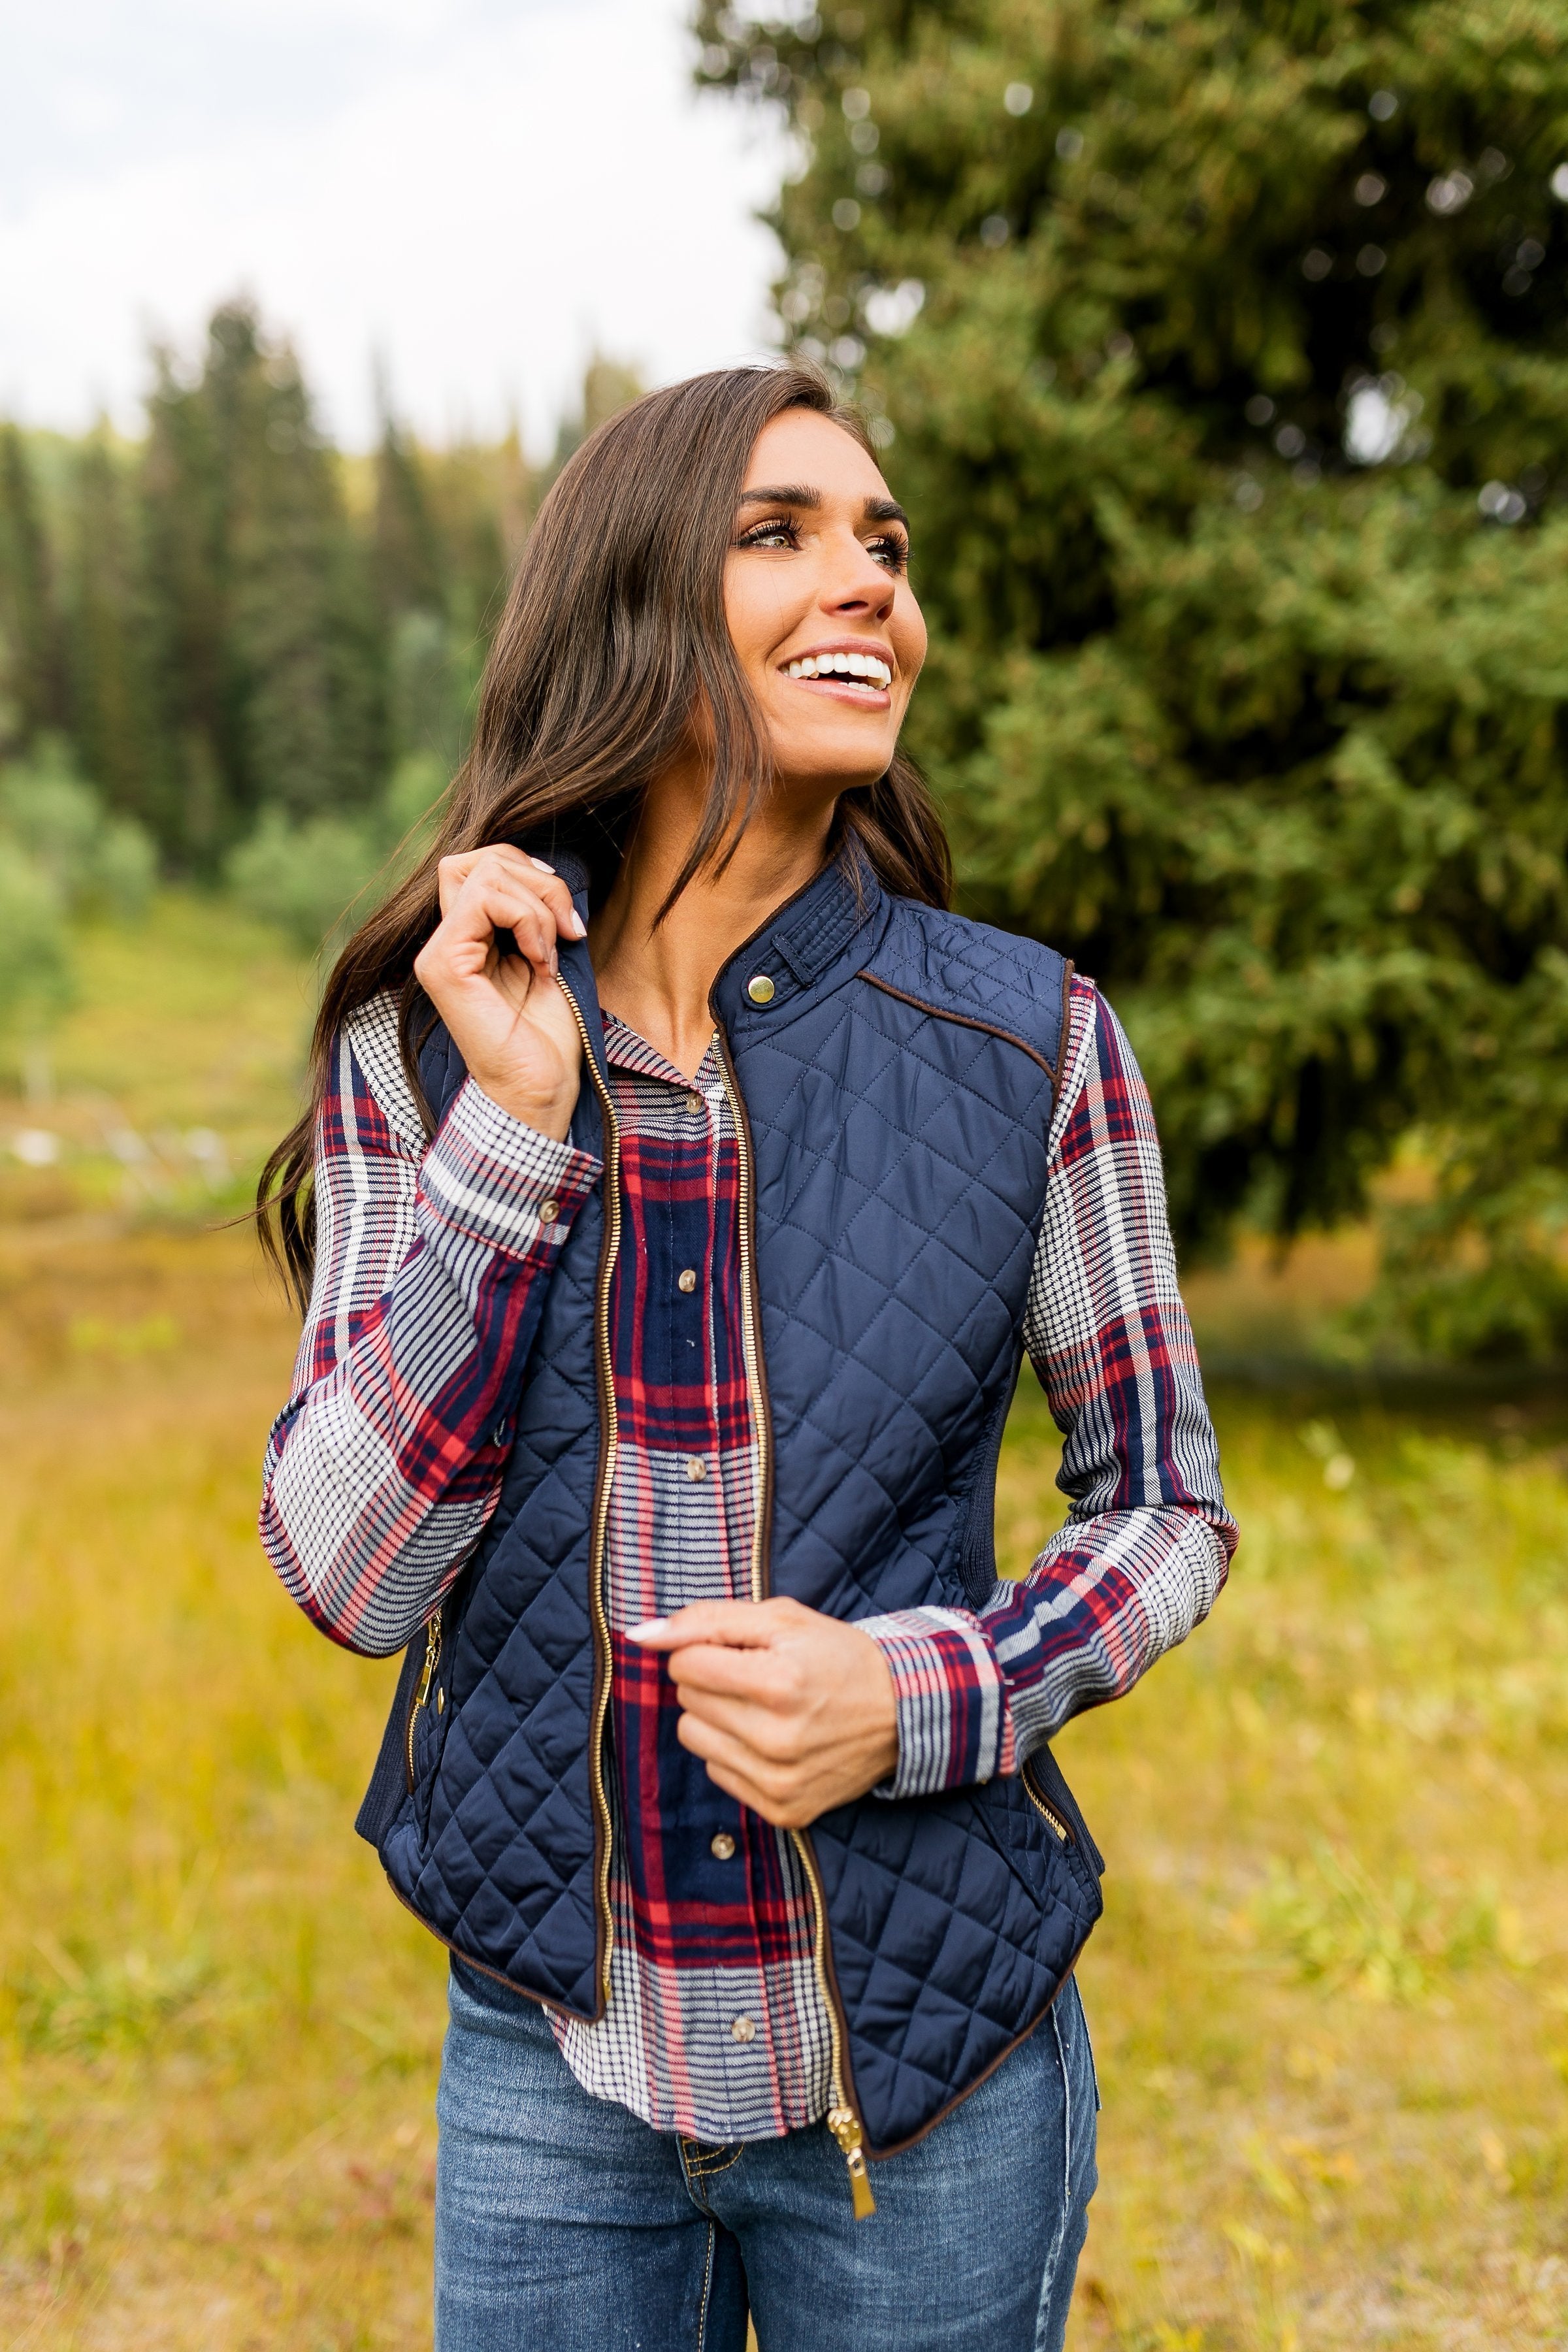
432, 1263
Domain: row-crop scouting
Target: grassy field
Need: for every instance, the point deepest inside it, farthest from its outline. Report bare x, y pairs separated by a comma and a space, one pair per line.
1330, 1996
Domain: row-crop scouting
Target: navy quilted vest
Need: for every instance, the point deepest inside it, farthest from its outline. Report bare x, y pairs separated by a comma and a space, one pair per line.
896, 1090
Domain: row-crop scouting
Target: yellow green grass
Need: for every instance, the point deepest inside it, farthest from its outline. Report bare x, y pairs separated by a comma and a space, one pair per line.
1330, 1996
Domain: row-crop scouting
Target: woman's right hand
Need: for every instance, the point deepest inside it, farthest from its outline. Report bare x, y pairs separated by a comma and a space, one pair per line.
509, 1018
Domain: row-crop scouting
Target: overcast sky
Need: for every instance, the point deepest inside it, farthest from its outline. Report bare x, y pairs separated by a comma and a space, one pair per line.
477, 190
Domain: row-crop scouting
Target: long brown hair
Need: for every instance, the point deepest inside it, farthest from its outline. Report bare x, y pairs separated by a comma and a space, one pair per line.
614, 629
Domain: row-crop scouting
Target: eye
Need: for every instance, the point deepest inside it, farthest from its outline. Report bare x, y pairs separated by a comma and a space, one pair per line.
890, 550
778, 531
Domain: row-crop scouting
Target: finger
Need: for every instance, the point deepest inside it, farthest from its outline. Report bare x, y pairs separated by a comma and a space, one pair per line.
741, 1624
450, 876
793, 1813
732, 1672
771, 1738
492, 900
558, 899
540, 880
773, 1781
498, 857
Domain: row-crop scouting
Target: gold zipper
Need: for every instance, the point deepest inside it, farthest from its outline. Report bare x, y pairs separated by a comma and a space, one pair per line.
606, 1478
422, 1693
1063, 1834
842, 2120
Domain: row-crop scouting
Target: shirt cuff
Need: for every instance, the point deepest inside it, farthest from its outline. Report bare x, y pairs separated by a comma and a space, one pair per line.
488, 1176
955, 1725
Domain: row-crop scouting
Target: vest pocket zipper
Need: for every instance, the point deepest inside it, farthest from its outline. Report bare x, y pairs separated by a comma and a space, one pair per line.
1063, 1834
422, 1693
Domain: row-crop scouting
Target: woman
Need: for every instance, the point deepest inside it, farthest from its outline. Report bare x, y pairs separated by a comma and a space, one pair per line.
682, 1188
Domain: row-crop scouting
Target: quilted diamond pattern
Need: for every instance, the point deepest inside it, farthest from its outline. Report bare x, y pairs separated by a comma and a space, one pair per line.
900, 1161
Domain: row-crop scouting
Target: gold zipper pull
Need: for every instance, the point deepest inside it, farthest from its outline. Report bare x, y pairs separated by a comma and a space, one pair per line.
432, 1659
422, 1693
845, 2126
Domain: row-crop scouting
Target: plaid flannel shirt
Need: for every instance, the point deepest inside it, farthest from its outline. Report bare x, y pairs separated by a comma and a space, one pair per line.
385, 1466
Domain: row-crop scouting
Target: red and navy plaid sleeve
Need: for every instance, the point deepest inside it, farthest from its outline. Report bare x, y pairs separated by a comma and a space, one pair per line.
1148, 1538
431, 1265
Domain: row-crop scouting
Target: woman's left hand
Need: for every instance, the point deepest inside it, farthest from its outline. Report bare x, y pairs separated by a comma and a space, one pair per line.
791, 1712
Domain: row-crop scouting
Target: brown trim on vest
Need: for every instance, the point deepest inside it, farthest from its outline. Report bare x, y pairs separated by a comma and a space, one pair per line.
988, 1028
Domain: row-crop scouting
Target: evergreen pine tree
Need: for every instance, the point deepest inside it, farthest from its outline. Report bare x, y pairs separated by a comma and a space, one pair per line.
109, 716
267, 641
34, 686
191, 683
1220, 355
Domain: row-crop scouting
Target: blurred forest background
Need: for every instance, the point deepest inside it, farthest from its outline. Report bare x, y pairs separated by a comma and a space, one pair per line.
1221, 356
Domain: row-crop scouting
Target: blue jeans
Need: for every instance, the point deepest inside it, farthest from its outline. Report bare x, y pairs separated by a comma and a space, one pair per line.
565, 2224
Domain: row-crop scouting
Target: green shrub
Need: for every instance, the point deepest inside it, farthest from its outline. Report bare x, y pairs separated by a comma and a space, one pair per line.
34, 966
318, 879
95, 862
307, 878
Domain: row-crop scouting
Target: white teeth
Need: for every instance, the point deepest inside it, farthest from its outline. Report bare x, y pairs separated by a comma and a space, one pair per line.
869, 667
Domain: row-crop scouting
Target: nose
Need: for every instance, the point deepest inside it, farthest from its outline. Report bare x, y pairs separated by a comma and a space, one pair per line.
856, 586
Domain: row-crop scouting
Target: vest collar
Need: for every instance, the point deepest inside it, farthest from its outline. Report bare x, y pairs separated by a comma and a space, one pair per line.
793, 950
798, 945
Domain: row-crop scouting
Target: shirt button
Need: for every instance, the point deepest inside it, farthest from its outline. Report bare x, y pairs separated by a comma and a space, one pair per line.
693, 1102
548, 1211
760, 989
687, 1279
722, 1849
743, 2029
696, 1469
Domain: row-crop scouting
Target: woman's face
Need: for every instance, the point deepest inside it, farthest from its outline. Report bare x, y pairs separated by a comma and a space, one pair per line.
819, 605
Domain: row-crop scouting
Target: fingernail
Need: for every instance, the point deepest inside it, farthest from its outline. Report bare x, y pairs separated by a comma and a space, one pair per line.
579, 928
555, 962
542, 865
648, 1630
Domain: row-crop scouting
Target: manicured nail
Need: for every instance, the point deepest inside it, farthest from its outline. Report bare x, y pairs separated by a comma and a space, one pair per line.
579, 928
648, 1630
555, 962
542, 865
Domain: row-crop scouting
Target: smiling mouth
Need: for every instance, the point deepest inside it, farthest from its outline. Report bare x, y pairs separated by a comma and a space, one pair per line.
868, 673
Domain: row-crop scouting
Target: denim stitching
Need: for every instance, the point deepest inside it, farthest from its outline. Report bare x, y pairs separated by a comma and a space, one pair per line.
1048, 2280
706, 2289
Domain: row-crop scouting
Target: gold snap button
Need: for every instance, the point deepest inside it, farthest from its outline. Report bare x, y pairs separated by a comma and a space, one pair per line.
760, 989
696, 1470
687, 1279
693, 1102
743, 2029
548, 1213
723, 1847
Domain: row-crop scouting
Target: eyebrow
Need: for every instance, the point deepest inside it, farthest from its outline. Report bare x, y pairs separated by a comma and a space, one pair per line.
798, 494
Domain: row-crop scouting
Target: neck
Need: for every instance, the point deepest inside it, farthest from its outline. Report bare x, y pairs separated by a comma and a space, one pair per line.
658, 981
